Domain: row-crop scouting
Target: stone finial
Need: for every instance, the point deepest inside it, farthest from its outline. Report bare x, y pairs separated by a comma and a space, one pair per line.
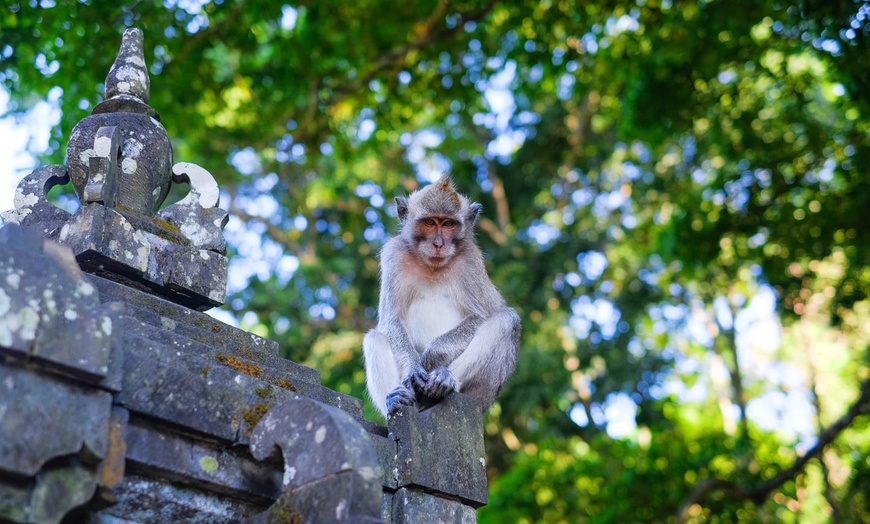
119, 161
135, 176
128, 76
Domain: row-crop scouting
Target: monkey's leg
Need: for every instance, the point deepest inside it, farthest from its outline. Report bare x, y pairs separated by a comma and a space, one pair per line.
383, 380
483, 368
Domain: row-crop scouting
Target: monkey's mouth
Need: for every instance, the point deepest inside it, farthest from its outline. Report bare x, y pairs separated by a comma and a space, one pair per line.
439, 259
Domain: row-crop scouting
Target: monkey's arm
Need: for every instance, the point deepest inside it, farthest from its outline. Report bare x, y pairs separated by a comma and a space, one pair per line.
445, 348
407, 358
400, 386
412, 376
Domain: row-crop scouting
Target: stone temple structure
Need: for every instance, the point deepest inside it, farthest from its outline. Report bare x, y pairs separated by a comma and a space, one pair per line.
121, 401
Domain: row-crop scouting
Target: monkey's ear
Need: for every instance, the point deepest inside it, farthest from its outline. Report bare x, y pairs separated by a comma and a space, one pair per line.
402, 208
474, 213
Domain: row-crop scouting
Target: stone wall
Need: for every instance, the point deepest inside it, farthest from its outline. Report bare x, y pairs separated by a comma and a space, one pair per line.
121, 401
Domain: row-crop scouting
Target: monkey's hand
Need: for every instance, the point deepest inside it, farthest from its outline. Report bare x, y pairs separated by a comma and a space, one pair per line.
416, 381
401, 396
441, 382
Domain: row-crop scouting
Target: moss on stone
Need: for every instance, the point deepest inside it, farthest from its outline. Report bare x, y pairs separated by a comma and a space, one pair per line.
253, 415
240, 366
284, 513
265, 392
286, 384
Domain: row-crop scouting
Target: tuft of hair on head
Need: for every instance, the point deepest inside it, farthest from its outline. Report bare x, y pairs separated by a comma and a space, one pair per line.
445, 185
443, 192
438, 198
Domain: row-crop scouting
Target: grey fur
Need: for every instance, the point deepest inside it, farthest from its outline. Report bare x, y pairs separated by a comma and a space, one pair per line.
476, 355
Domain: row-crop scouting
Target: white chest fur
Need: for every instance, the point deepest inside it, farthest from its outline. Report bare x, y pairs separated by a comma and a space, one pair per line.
433, 313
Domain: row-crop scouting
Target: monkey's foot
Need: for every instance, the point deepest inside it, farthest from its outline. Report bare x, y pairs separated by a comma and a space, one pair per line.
401, 396
440, 383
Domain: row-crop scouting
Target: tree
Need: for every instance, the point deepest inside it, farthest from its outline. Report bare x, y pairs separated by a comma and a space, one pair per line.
673, 203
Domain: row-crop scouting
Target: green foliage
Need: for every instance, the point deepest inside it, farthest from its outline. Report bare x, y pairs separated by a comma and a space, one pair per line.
652, 174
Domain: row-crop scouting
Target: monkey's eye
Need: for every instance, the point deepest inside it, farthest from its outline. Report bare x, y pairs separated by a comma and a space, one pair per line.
448, 223
429, 222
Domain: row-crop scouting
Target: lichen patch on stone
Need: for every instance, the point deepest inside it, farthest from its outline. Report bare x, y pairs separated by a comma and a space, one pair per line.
107, 326
85, 156
289, 474
320, 435
25, 200
128, 166
103, 146
208, 464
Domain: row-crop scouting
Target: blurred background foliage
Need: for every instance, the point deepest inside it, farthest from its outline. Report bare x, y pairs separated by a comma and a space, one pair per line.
674, 201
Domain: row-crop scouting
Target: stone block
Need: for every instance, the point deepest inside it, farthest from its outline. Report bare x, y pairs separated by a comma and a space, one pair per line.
198, 357
337, 498
45, 418
201, 328
143, 499
167, 391
60, 489
197, 277
317, 440
221, 398
440, 449
14, 500
412, 507
128, 247
386, 450
100, 236
47, 307
157, 450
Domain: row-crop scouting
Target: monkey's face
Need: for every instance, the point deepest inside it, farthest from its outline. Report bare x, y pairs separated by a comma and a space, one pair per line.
436, 238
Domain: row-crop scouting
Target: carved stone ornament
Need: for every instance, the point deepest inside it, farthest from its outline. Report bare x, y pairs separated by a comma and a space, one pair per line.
331, 469
119, 160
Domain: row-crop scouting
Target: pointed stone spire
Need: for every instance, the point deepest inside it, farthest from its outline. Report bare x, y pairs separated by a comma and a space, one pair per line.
128, 86
128, 75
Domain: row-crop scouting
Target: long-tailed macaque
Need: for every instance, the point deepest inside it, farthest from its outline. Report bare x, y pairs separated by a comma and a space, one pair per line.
442, 324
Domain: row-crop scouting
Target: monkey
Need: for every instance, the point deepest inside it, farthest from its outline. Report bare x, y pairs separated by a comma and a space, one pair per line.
442, 324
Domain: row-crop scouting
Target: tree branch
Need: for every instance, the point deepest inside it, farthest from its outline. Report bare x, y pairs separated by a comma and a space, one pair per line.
500, 196
495, 233
758, 493
812, 358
